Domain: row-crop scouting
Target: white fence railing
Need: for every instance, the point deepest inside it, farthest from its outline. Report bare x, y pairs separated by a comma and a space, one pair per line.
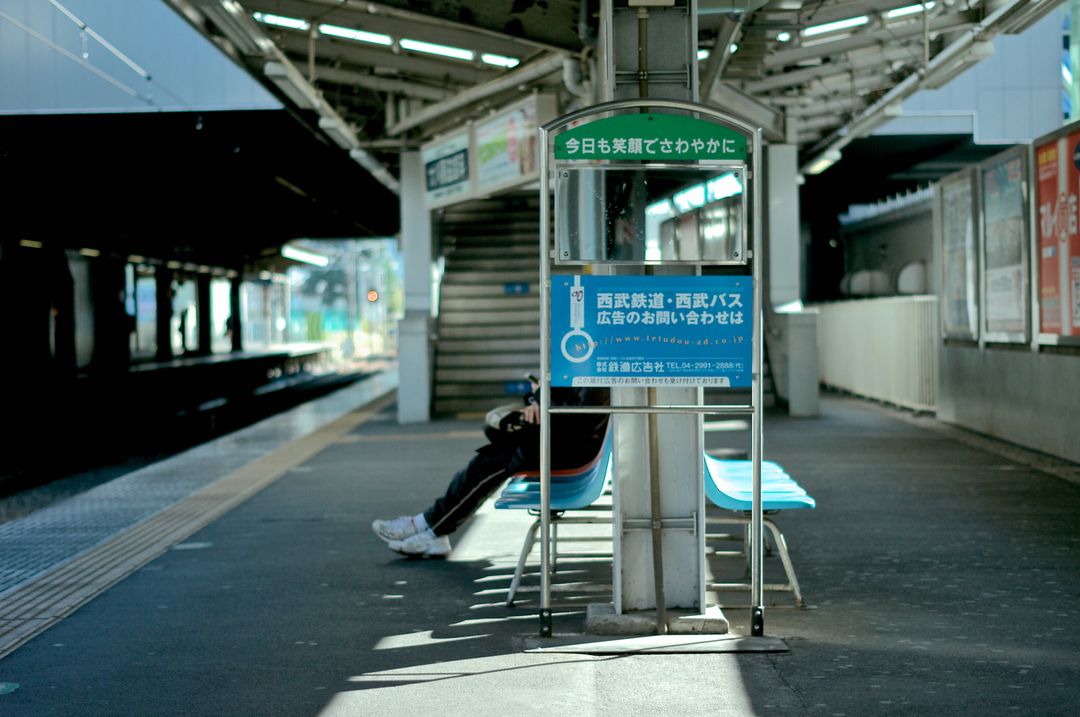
884, 349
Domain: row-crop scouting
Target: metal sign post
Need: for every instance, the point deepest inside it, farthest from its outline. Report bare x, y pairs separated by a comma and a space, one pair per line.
671, 183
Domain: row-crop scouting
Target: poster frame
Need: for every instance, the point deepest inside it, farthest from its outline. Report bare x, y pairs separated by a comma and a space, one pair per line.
973, 330
1042, 338
1022, 152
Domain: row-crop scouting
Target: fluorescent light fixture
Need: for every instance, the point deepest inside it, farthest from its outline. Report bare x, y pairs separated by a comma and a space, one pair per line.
907, 10
373, 38
173, 265
136, 259
290, 23
293, 84
834, 26
734, 48
702, 54
826, 160
499, 60
662, 208
722, 187
89, 252
431, 48
338, 131
783, 36
690, 198
31, 244
304, 256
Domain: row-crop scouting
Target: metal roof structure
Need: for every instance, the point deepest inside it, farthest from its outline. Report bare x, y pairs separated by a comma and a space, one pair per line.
390, 74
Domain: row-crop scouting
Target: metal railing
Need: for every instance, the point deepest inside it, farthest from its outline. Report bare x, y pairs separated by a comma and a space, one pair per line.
885, 349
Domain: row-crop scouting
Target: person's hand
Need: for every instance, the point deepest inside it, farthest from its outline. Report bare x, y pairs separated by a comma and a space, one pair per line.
531, 413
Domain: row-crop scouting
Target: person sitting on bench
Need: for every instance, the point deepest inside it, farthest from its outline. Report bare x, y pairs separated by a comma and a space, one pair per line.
513, 447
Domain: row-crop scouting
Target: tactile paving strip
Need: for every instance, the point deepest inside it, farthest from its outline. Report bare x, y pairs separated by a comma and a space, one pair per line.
57, 559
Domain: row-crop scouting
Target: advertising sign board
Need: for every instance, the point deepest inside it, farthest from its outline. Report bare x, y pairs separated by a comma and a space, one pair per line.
960, 258
651, 330
1005, 249
506, 145
447, 177
1057, 187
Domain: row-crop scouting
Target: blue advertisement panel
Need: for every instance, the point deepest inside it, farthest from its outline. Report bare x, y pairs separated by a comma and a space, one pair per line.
651, 330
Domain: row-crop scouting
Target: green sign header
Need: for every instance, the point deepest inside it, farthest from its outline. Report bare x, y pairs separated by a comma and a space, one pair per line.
651, 137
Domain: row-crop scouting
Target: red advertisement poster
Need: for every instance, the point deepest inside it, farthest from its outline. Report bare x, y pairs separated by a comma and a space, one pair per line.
1057, 189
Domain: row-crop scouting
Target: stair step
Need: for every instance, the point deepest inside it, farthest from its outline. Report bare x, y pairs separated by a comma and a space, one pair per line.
523, 288
531, 264
465, 331
486, 344
489, 277
505, 302
500, 374
486, 360
513, 318
477, 405
483, 251
509, 390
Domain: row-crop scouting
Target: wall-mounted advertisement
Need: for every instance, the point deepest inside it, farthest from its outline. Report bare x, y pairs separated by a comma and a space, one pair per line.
651, 330
960, 289
507, 147
447, 175
1056, 187
1005, 248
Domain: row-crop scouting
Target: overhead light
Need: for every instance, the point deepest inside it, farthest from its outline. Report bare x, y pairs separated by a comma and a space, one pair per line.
292, 84
136, 259
734, 48
722, 187
89, 252
783, 36
826, 160
31, 244
834, 26
376, 170
290, 23
338, 131
304, 256
978, 52
702, 54
232, 20
662, 208
907, 10
374, 38
431, 48
690, 198
499, 60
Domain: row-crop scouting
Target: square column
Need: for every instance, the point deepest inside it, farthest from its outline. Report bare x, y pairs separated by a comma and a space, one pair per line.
415, 328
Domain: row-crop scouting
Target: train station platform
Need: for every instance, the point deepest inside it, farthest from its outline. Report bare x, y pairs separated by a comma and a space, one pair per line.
941, 570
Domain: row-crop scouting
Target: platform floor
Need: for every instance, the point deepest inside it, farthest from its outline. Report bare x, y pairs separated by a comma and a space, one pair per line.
942, 578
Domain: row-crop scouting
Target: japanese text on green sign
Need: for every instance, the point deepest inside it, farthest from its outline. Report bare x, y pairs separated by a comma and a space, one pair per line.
651, 136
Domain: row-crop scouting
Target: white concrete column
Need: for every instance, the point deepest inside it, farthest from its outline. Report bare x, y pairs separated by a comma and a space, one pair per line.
415, 328
784, 265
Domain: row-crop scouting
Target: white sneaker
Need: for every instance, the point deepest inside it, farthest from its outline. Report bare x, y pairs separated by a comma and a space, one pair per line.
423, 545
395, 529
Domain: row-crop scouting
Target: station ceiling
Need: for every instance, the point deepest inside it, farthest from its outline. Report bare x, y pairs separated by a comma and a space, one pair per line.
816, 72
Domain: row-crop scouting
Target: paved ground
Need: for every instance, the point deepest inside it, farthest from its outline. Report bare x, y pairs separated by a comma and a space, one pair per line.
943, 580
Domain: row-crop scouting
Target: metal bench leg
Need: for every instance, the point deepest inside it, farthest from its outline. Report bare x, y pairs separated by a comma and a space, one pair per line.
526, 548
781, 544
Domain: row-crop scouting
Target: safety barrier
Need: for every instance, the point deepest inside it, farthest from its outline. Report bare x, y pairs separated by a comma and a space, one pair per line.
885, 349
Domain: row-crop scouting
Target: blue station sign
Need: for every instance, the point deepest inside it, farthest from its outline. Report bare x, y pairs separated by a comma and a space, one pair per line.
651, 330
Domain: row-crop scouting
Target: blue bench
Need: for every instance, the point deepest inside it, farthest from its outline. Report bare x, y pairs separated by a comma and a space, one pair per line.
728, 485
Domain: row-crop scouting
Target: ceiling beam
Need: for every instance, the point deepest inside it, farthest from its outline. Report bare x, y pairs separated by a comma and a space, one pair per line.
860, 60
340, 76
951, 22
416, 26
524, 75
354, 53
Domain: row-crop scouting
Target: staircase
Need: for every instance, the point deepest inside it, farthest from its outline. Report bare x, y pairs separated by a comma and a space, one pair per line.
489, 303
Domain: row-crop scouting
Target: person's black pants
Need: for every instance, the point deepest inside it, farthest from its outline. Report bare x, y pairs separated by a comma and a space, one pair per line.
491, 465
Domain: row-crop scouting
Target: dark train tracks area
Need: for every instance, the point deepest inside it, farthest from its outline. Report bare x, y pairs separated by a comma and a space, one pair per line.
73, 436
